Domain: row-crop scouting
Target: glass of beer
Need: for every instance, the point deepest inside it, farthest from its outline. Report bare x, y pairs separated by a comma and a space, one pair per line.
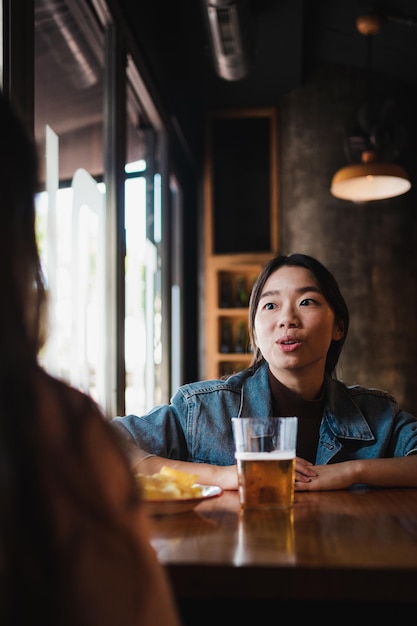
265, 450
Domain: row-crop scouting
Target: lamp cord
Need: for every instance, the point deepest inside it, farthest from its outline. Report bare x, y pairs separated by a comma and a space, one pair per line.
369, 92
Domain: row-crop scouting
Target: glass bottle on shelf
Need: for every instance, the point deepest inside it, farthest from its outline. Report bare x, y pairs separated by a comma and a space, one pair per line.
252, 281
241, 292
241, 337
225, 291
225, 336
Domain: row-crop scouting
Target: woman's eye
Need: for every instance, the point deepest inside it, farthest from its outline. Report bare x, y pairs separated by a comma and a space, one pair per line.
307, 302
269, 306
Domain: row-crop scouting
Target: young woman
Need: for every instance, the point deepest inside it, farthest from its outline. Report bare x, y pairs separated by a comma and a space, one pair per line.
74, 535
298, 323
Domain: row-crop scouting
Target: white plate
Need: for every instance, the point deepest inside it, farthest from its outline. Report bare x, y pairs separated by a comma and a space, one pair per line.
178, 505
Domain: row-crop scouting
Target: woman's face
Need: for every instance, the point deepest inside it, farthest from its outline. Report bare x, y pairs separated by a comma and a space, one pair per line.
294, 324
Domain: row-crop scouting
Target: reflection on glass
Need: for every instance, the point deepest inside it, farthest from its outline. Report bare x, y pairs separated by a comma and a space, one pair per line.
75, 227
74, 270
266, 536
69, 62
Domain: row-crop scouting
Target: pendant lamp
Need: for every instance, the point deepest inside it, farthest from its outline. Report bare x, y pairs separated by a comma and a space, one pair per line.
373, 178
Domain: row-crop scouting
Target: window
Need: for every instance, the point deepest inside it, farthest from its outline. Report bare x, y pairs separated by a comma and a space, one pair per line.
75, 216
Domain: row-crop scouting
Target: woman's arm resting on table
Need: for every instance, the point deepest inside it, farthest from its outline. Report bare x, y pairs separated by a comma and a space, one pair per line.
146, 463
392, 472
223, 476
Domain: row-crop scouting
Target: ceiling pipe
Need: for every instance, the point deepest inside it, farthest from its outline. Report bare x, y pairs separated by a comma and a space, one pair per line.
228, 25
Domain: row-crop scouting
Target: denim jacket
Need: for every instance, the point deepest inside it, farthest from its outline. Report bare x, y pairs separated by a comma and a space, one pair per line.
357, 423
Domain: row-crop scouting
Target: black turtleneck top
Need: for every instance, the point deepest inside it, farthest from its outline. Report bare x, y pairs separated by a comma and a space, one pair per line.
286, 403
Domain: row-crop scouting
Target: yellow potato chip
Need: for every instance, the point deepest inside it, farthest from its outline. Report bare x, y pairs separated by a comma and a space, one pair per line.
184, 478
169, 484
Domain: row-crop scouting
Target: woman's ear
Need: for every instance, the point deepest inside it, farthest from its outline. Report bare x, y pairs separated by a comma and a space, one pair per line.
338, 331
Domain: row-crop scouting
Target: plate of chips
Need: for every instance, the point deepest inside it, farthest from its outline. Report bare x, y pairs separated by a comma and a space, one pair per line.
172, 491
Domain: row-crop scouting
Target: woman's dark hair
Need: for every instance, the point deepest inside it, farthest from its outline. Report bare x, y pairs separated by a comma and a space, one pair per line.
329, 288
27, 561
22, 282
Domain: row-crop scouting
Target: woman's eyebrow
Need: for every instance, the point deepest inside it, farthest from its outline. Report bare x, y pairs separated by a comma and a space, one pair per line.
299, 290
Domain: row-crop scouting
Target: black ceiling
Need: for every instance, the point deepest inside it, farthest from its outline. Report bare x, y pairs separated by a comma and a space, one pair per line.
289, 37
289, 40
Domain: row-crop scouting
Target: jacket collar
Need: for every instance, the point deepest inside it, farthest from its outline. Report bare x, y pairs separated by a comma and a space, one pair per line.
343, 416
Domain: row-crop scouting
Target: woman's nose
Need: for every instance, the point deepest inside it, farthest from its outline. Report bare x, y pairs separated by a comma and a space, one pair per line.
288, 323
288, 317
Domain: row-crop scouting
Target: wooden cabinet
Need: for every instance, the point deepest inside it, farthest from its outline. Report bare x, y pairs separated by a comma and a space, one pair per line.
241, 228
229, 282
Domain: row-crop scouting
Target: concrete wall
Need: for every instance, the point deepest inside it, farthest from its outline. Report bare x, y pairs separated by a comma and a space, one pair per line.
370, 248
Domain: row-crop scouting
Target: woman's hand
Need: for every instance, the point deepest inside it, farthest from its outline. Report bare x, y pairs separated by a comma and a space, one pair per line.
304, 471
310, 477
385, 472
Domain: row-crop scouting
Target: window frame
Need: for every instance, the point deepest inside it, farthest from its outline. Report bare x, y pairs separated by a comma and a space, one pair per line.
18, 17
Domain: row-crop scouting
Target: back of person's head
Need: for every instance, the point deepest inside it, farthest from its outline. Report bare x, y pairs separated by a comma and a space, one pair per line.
26, 567
21, 280
329, 288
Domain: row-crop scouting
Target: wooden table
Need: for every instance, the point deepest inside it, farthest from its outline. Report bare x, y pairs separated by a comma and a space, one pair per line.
349, 548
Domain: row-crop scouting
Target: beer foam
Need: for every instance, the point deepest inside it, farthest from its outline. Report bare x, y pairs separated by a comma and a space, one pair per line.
265, 456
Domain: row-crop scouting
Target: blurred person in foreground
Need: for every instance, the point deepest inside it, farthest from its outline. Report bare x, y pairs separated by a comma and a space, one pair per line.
74, 535
347, 435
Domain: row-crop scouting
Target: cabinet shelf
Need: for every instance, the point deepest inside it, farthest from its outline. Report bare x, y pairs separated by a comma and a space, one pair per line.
227, 327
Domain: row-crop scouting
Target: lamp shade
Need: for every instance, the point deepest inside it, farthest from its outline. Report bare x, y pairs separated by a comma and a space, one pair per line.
364, 182
375, 177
